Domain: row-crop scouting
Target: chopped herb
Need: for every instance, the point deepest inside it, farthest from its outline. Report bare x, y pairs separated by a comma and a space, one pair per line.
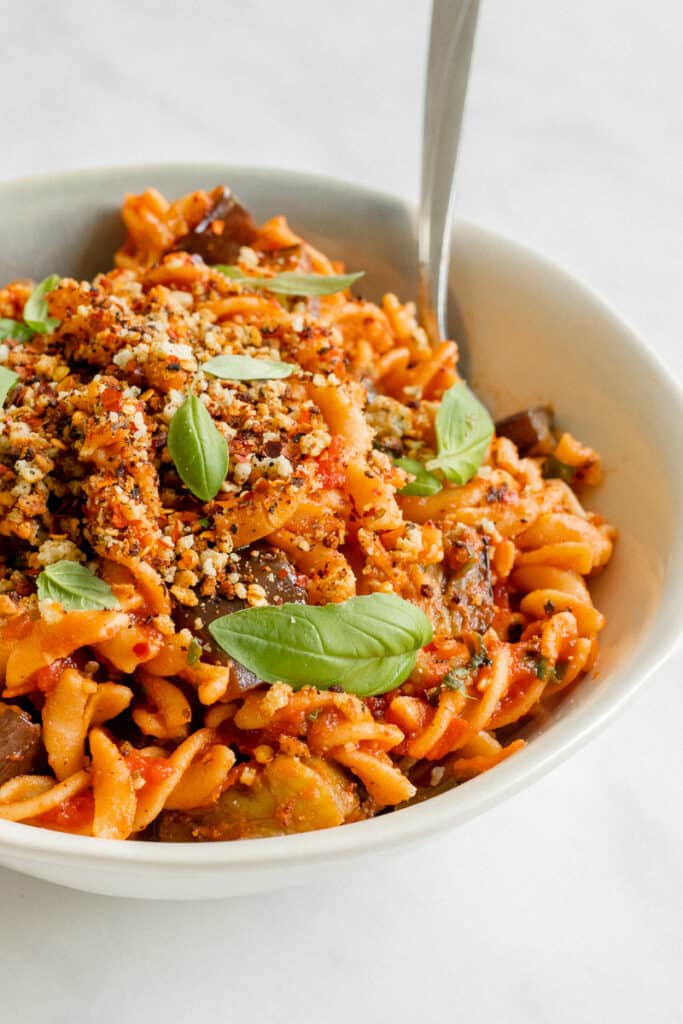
552, 467
458, 677
544, 670
194, 651
549, 608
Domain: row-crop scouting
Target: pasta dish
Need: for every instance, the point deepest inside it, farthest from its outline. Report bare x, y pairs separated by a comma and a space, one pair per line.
266, 563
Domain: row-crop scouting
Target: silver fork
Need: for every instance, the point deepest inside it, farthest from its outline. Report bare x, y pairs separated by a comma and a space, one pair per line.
450, 50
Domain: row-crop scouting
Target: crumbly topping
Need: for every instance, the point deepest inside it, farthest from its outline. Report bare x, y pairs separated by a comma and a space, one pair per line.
85, 471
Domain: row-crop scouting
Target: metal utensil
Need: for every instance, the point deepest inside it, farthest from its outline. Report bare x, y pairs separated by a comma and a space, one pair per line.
450, 50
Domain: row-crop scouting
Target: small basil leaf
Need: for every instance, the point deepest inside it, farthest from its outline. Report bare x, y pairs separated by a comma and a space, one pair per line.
463, 433
35, 311
290, 283
198, 449
8, 378
424, 484
367, 645
14, 329
74, 587
247, 368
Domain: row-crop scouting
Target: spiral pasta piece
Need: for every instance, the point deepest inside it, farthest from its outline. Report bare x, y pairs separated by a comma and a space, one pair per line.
65, 722
37, 800
113, 788
153, 796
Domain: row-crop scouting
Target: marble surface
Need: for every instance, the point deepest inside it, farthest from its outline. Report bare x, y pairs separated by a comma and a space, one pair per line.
564, 904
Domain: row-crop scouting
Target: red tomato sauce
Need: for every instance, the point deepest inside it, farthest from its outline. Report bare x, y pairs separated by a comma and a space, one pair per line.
72, 815
152, 769
331, 464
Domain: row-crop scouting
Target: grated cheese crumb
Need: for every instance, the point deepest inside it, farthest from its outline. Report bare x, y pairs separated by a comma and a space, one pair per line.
58, 550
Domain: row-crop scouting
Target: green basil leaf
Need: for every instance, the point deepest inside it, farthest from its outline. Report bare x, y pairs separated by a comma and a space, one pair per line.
198, 449
74, 587
290, 283
424, 484
367, 645
8, 378
14, 329
35, 311
463, 433
247, 368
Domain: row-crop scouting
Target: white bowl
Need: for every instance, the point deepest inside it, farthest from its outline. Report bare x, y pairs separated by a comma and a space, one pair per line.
534, 334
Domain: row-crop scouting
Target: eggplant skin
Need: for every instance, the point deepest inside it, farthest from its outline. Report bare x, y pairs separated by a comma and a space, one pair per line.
531, 430
268, 568
468, 589
289, 794
20, 744
238, 230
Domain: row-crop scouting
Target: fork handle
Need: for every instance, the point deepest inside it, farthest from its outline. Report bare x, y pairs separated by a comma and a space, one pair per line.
450, 51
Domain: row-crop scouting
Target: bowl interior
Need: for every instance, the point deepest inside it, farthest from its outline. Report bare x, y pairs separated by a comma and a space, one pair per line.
533, 335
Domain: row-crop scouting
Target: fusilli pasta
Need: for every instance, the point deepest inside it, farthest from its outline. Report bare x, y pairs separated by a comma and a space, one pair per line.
148, 728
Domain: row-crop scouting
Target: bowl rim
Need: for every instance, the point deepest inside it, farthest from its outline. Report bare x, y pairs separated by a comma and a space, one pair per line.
443, 811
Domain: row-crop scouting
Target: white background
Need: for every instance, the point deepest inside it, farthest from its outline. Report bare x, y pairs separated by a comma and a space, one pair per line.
563, 905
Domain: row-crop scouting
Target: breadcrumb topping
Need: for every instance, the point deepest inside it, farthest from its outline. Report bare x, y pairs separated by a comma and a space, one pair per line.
85, 469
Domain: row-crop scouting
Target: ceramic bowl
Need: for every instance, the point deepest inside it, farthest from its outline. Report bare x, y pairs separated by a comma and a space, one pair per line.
533, 334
